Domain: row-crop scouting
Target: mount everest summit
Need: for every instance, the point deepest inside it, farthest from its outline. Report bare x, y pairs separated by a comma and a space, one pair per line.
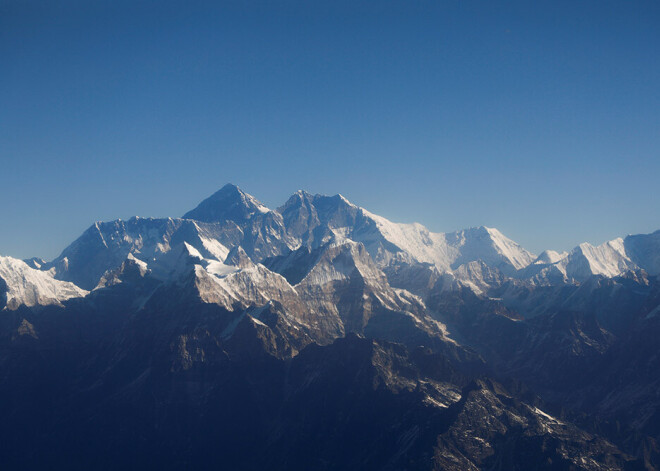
291, 338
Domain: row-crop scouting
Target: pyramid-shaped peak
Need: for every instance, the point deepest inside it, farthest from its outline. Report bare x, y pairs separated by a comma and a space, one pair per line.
299, 197
332, 202
230, 187
481, 230
296, 200
338, 198
230, 203
304, 198
303, 194
231, 191
237, 257
550, 256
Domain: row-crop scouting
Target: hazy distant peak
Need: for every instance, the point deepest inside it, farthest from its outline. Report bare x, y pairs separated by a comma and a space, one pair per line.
550, 256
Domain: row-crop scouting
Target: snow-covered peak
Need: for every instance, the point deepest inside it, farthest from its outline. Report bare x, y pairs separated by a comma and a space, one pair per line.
644, 250
512, 251
448, 251
22, 285
105, 246
334, 210
607, 259
132, 269
612, 258
230, 203
414, 239
302, 195
175, 262
299, 214
549, 256
490, 246
316, 220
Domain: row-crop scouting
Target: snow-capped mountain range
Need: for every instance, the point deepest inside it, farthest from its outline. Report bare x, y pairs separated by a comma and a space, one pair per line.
321, 334
272, 241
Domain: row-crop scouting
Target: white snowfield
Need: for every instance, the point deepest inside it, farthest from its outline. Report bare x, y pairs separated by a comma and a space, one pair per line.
549, 256
447, 251
609, 259
31, 287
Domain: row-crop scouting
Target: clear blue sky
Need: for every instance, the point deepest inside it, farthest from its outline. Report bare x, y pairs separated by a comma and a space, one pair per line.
539, 118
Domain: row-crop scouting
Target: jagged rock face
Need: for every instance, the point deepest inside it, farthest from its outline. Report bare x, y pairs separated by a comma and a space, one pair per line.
182, 395
517, 436
262, 231
105, 246
345, 283
300, 215
322, 336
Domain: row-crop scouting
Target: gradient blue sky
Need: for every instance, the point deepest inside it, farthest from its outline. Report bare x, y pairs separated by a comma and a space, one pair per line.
539, 118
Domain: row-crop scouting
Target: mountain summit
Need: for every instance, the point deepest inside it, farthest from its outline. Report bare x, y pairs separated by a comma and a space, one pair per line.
230, 203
